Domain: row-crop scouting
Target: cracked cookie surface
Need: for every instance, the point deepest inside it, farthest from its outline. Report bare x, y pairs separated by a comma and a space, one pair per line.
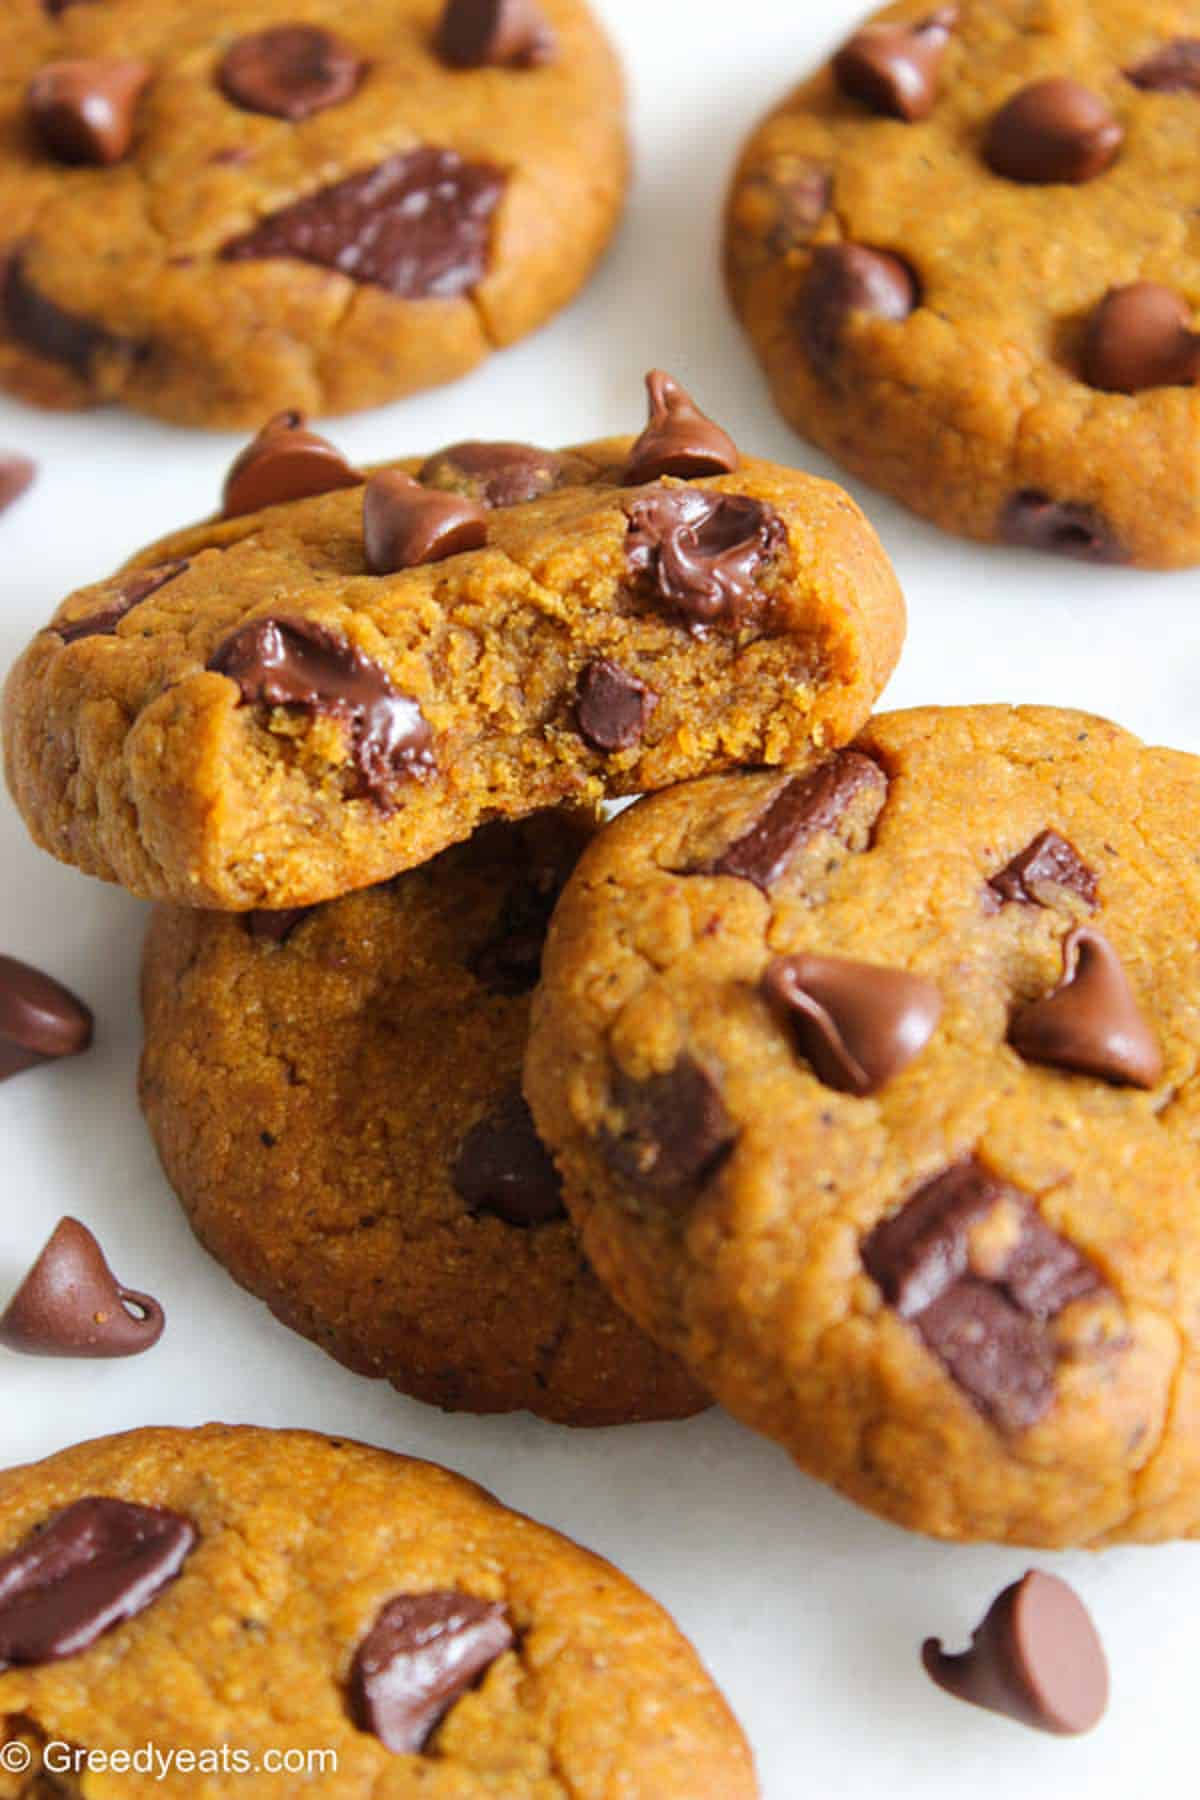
875, 1097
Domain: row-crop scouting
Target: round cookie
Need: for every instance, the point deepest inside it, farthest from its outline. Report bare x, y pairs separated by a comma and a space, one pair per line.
336, 1099
875, 1096
962, 253
276, 1611
212, 211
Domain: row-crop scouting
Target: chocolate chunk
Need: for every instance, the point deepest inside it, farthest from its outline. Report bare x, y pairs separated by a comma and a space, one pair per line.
423, 1653
893, 68
857, 1024
39, 1019
803, 807
418, 225
1091, 1022
405, 524
129, 591
675, 1130
498, 474
290, 71
1175, 69
844, 280
700, 555
510, 34
16, 475
285, 461
83, 112
503, 1167
612, 706
1141, 337
1037, 1657
1046, 866
38, 324
679, 439
71, 1304
997, 1356
1033, 521
1056, 130
295, 662
275, 927
91, 1567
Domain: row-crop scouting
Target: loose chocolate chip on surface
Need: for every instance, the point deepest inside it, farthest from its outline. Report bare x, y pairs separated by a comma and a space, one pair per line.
275, 926
1175, 69
285, 461
1091, 1023
503, 1167
612, 706
1047, 865
498, 474
405, 524
857, 1024
39, 1019
418, 225
71, 1304
84, 112
290, 71
511, 34
423, 1653
295, 662
50, 331
16, 476
1037, 1657
1031, 520
678, 439
1141, 337
674, 1129
893, 68
1056, 130
129, 592
803, 807
844, 280
700, 555
93, 1566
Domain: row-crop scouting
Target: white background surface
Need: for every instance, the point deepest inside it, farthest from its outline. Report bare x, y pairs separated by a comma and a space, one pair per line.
808, 1612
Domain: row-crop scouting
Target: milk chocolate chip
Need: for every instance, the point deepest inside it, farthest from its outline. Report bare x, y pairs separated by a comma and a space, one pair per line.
1175, 69
1031, 520
844, 280
71, 1304
893, 68
290, 71
128, 591
83, 111
1056, 130
423, 1653
678, 439
612, 706
497, 474
510, 34
1091, 1023
701, 555
285, 461
674, 1130
504, 1168
1141, 337
405, 524
39, 1019
857, 1024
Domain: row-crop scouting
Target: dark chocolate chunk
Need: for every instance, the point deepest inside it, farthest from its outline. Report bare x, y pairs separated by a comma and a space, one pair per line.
1175, 69
91, 1567
844, 280
290, 71
39, 1019
504, 1168
71, 1304
49, 330
1001, 1359
678, 439
701, 555
295, 662
418, 225
1141, 337
498, 474
1056, 130
857, 1024
1033, 521
893, 67
675, 1130
1048, 863
1091, 1022
1037, 1658
267, 926
16, 476
405, 524
129, 591
285, 461
423, 1653
510, 34
612, 706
803, 807
83, 111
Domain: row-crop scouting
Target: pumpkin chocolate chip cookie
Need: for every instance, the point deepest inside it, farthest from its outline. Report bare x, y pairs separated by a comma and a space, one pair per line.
874, 1091
210, 211
347, 673
962, 251
273, 1610
336, 1097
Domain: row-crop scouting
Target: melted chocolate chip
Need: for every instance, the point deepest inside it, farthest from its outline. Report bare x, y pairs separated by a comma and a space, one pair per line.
83, 111
858, 1025
1140, 337
71, 1304
678, 439
50, 331
503, 1168
1048, 864
93, 1566
16, 476
803, 807
284, 462
497, 474
423, 1653
511, 34
1091, 1023
40, 1020
405, 524
1175, 69
418, 225
893, 67
295, 662
1033, 521
845, 280
267, 926
290, 71
700, 555
674, 1133
1052, 131
612, 706
130, 591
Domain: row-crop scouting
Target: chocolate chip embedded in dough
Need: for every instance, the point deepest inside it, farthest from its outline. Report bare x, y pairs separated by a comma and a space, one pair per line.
1091, 1022
893, 67
286, 461
83, 111
678, 438
857, 1024
674, 1130
612, 706
509, 34
503, 1167
1032, 520
845, 281
1053, 131
1141, 337
290, 71
405, 524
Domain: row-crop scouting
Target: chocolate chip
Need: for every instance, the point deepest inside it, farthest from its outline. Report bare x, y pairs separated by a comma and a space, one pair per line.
91, 1567
285, 461
50, 331
1033, 521
844, 280
83, 112
1175, 69
674, 1130
129, 591
418, 225
1056, 130
503, 1168
423, 1653
802, 809
275, 927
612, 706
893, 68
295, 662
1141, 337
1037, 1657
1046, 866
498, 474
858, 1024
290, 71
510, 34
679, 439
510, 962
700, 555
71, 1304
405, 524
1091, 1023
55, 8
16, 475
39, 1019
